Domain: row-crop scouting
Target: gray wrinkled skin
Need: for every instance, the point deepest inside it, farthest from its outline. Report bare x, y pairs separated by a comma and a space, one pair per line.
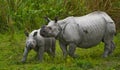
84, 32
39, 44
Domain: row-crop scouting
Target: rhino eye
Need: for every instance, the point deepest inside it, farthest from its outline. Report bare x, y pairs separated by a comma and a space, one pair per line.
34, 42
49, 28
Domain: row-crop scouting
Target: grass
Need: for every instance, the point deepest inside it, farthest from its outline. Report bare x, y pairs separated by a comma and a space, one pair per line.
11, 52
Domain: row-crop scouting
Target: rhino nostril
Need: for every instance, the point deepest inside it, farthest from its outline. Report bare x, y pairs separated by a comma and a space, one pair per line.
44, 31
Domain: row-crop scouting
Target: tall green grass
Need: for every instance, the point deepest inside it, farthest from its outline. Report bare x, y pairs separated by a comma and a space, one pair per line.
18, 15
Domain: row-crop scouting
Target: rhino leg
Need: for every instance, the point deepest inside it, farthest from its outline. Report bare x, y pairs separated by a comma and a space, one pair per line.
53, 52
50, 49
64, 49
106, 50
109, 45
40, 53
112, 47
53, 48
26, 51
72, 48
50, 53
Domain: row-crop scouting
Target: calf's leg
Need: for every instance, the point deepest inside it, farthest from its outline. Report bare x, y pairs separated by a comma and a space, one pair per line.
53, 47
40, 53
26, 51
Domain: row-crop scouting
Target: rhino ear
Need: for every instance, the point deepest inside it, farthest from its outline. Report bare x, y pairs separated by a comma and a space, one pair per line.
56, 19
26, 33
35, 33
47, 19
43, 26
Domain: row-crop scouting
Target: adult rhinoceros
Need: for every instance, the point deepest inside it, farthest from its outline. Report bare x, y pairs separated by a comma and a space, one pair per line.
84, 32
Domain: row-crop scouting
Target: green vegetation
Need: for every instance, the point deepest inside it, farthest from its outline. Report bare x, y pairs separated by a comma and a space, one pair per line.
89, 59
19, 15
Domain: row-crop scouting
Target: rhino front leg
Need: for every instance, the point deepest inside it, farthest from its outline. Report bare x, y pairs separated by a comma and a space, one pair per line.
72, 48
40, 53
25, 54
64, 49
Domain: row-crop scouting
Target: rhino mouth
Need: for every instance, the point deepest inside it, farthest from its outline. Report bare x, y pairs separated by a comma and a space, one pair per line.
42, 34
46, 34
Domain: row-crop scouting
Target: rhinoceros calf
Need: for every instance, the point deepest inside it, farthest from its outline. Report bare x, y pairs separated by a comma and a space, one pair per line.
84, 32
39, 44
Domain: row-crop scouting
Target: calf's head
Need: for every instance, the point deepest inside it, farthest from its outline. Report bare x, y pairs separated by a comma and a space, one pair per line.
30, 40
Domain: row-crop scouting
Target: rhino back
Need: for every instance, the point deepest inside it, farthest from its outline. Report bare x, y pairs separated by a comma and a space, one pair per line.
94, 27
85, 31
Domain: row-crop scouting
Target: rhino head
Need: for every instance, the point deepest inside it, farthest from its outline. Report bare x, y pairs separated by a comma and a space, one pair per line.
30, 40
50, 30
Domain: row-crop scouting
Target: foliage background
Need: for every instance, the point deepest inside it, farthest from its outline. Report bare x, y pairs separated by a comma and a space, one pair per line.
19, 15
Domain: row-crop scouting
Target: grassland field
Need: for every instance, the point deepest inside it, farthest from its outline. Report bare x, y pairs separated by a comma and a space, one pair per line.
11, 52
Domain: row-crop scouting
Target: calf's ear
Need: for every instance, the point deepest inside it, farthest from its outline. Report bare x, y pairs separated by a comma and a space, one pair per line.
35, 33
26, 33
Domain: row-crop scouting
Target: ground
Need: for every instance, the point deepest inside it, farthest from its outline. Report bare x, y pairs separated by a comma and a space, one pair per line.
11, 51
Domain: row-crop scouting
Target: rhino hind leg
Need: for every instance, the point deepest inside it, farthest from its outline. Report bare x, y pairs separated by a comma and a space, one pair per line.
109, 45
112, 47
50, 52
107, 50
53, 47
108, 39
53, 52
